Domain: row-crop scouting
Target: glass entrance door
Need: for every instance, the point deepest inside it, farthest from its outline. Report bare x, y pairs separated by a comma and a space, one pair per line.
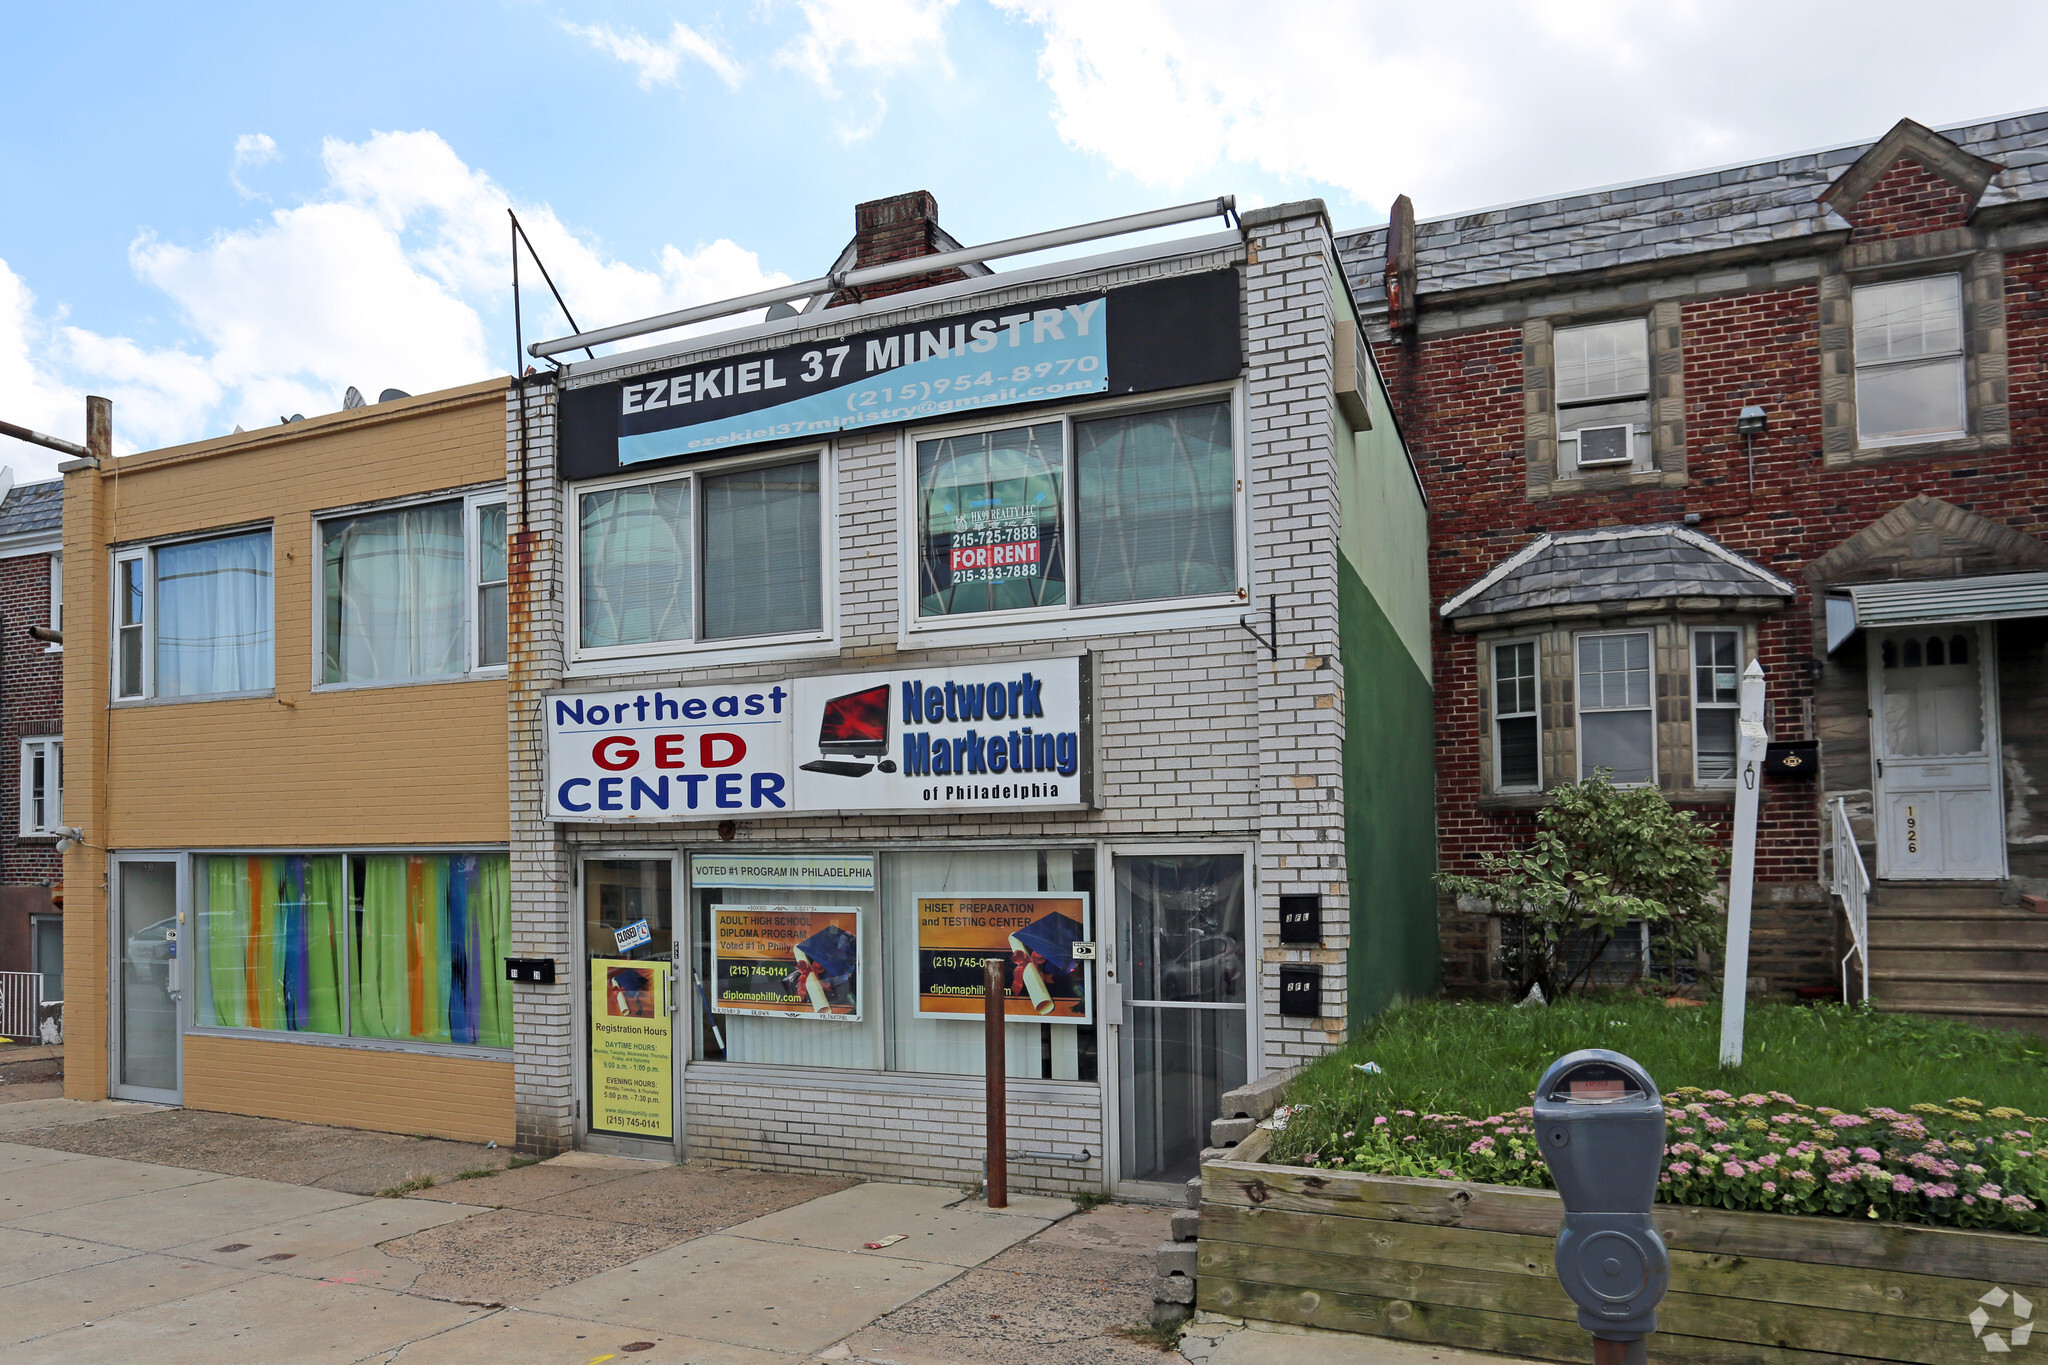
1186, 1024
146, 975
629, 1015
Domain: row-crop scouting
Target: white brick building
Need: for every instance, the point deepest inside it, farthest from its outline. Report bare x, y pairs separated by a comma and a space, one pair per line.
1223, 463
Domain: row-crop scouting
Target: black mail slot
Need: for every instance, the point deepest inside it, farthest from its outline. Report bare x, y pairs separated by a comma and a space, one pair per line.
1301, 919
530, 971
1301, 991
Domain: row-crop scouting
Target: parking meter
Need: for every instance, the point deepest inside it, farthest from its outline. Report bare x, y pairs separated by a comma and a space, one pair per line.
1600, 1127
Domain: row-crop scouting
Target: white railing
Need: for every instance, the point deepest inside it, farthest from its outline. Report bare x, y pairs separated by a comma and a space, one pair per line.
1852, 884
20, 993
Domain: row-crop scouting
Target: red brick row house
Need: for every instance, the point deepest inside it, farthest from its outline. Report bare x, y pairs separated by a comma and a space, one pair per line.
31, 732
1789, 412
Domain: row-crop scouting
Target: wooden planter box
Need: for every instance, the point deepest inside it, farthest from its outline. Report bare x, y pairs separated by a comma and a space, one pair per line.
1468, 1265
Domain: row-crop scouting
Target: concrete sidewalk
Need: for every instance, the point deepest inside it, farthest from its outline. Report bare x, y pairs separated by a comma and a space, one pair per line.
105, 1258
1219, 1343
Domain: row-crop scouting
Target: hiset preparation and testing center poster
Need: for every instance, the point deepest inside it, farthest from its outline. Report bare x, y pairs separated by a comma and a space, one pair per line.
1033, 935
632, 1050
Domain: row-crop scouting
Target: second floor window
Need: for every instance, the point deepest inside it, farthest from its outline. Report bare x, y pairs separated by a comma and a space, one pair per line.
42, 785
194, 618
699, 557
1603, 396
1909, 360
398, 585
1078, 512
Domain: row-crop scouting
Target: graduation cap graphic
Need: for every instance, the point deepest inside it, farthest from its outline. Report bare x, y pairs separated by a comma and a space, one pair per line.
1042, 957
854, 726
824, 962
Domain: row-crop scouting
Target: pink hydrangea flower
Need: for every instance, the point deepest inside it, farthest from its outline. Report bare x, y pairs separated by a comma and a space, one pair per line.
1732, 1168
1379, 1121
1868, 1154
1770, 1187
1681, 1168
1902, 1184
1847, 1121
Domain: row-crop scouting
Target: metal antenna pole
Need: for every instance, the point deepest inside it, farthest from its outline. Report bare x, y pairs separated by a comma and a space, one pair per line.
520, 230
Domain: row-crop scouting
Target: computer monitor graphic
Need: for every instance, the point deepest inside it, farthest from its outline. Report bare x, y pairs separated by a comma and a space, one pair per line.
853, 725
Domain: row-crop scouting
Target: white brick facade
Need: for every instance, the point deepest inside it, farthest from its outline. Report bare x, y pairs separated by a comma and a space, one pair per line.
1200, 739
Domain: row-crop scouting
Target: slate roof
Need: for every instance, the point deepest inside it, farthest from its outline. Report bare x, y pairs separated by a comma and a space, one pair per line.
1613, 564
1765, 201
33, 507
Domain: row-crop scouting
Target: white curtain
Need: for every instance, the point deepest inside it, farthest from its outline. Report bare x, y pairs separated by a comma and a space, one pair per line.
396, 589
633, 577
213, 616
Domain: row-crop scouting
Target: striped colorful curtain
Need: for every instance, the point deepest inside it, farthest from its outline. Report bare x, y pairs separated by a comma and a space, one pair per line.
432, 932
272, 930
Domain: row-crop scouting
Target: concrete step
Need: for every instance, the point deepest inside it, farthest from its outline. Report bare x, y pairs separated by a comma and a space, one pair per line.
1934, 895
2021, 1018
1972, 989
1960, 959
1972, 927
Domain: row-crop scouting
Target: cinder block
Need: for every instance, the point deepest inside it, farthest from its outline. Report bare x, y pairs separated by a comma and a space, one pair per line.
1186, 1224
1177, 1258
1195, 1193
1230, 1132
1173, 1289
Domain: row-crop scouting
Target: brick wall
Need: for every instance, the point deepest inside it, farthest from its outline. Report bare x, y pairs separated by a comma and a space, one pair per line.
1906, 201
31, 703
1746, 338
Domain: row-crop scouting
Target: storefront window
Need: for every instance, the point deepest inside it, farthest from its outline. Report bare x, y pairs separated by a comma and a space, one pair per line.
935, 948
784, 966
406, 947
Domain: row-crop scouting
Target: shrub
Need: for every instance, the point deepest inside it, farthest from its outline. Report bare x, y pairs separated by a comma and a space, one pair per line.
1956, 1165
1602, 856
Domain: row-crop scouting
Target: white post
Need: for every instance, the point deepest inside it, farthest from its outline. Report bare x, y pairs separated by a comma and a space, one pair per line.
1749, 772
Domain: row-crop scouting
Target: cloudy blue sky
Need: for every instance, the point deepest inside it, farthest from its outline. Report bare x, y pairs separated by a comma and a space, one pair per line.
217, 214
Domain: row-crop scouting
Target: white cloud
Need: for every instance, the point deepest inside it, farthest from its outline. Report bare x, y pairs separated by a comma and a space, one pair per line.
395, 276
880, 37
658, 63
1498, 100
30, 394
251, 149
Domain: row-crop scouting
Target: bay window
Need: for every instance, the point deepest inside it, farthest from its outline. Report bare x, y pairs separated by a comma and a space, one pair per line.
1716, 703
1617, 722
700, 556
1077, 512
194, 618
1518, 748
399, 586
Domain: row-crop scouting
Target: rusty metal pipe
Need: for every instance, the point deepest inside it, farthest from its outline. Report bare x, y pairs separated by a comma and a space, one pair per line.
996, 1067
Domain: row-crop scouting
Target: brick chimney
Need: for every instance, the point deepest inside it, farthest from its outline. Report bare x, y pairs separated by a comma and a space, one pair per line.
899, 228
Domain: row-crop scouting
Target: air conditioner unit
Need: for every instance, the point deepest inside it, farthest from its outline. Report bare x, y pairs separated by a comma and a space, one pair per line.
1605, 446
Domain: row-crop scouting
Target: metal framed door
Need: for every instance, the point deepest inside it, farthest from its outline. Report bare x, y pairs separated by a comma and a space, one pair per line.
1188, 987
145, 976
1934, 750
630, 1034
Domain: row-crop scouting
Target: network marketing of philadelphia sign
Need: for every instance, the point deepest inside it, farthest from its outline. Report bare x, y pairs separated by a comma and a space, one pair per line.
1009, 736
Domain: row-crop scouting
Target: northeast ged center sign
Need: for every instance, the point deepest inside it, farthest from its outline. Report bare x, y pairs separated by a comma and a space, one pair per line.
1162, 334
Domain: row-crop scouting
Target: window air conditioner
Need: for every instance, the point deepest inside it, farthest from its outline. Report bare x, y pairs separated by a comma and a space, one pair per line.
1602, 446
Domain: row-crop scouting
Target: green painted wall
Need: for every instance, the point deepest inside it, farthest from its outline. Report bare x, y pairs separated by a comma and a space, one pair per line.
1389, 806
1383, 625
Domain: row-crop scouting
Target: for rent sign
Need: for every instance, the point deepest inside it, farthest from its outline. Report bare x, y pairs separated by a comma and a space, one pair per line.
1008, 736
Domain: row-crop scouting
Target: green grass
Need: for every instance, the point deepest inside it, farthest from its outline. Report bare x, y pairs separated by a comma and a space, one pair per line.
410, 1185
1478, 1059
517, 1162
478, 1172
1085, 1200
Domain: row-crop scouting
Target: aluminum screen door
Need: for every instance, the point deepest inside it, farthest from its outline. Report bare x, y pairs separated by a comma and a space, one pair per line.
1186, 1017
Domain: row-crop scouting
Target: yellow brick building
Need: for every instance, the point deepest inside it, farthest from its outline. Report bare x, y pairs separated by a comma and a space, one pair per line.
285, 700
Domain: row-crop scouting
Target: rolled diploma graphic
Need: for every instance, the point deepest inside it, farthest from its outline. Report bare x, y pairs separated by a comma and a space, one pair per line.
1034, 981
814, 984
